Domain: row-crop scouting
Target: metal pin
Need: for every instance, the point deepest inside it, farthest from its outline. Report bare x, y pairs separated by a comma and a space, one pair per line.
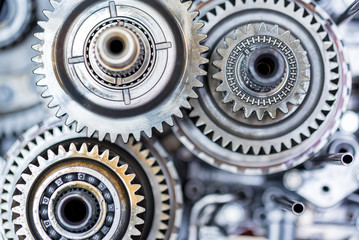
345, 159
349, 13
297, 208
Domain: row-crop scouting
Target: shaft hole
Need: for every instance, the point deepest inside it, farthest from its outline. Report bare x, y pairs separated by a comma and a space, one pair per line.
266, 66
116, 46
298, 208
75, 211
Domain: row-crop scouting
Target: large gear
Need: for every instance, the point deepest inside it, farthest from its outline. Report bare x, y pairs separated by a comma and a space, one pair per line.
269, 141
79, 75
61, 168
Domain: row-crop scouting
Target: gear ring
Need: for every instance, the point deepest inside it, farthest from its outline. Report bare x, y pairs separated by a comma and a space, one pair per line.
157, 175
295, 82
254, 146
147, 105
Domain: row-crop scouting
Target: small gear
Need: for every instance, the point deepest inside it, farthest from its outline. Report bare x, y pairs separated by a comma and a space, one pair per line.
151, 96
270, 140
72, 170
262, 71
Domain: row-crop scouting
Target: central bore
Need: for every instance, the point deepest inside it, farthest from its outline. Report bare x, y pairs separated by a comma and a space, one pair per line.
75, 211
115, 46
266, 67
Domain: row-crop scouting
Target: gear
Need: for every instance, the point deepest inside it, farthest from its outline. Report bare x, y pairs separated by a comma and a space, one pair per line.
17, 17
272, 141
79, 88
65, 170
262, 71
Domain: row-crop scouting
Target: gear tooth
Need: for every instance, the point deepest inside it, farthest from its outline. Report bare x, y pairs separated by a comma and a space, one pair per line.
68, 121
21, 187
33, 168
323, 35
210, 16
219, 76
207, 130
46, 93
275, 30
41, 160
333, 65
193, 94
291, 7
250, 30
222, 53
37, 59
51, 154
238, 33
283, 107
262, 28
37, 47
83, 149
123, 168
39, 35
219, 10
169, 121
286, 35
137, 135
55, 4
247, 112
331, 55
272, 112
72, 148
327, 45
41, 83
47, 13
227, 98
293, 100
194, 15
187, 5
95, 150
42, 24
236, 106
295, 44
105, 155
186, 105
125, 137
25, 176
148, 132
260, 113
229, 42
178, 113
113, 137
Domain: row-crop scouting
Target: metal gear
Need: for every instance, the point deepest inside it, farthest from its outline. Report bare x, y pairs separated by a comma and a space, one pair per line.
237, 142
16, 19
262, 71
79, 89
67, 166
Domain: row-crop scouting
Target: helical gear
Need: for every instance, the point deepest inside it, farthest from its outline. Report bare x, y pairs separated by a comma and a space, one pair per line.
240, 142
236, 81
63, 160
147, 101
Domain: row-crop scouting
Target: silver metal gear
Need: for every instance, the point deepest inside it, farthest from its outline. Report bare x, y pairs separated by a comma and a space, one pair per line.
16, 19
262, 71
80, 91
238, 143
51, 153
